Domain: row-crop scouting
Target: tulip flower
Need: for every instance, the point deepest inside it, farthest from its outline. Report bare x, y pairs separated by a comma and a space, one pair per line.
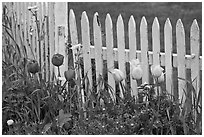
161, 78
134, 63
156, 70
69, 74
33, 67
10, 122
57, 59
137, 73
118, 75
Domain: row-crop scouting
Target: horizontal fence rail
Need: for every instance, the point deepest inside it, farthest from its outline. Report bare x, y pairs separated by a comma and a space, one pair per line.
52, 18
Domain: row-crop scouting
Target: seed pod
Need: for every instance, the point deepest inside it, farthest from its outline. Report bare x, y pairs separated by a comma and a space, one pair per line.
57, 59
137, 73
156, 71
33, 67
118, 75
69, 74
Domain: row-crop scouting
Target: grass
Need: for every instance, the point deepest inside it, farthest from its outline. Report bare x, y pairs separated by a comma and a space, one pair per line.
186, 11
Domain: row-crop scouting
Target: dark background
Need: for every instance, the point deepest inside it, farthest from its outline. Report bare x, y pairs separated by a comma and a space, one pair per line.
186, 11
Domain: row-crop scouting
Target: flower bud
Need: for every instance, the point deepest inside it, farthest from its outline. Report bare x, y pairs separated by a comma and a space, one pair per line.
161, 78
156, 70
137, 73
118, 75
69, 74
10, 122
33, 67
57, 59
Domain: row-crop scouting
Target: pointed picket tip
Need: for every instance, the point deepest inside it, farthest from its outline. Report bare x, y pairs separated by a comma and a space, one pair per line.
168, 22
71, 14
194, 25
108, 19
84, 16
120, 18
155, 24
108, 16
179, 23
95, 14
143, 21
156, 20
131, 20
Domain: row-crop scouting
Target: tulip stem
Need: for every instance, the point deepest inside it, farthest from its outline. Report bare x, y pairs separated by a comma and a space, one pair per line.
58, 72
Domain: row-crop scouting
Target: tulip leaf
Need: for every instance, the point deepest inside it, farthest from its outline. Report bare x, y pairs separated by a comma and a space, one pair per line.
62, 118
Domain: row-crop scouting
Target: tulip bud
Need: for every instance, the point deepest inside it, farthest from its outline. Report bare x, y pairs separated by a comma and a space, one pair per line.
69, 74
156, 70
10, 122
137, 73
161, 78
118, 75
57, 59
33, 67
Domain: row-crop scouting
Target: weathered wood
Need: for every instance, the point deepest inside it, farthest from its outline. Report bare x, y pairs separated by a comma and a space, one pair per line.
86, 50
168, 56
98, 47
181, 51
195, 53
132, 47
109, 46
121, 48
144, 50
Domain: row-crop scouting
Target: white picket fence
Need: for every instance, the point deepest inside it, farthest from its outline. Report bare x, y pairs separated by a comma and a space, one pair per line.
56, 35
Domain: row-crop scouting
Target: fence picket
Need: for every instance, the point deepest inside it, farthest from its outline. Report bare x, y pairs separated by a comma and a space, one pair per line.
156, 41
86, 48
60, 27
181, 51
195, 53
168, 56
98, 47
51, 21
109, 45
121, 46
74, 39
132, 47
144, 50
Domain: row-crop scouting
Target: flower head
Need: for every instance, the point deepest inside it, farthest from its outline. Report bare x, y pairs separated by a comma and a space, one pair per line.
57, 59
161, 78
118, 75
10, 122
69, 74
33, 67
134, 63
156, 70
137, 73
